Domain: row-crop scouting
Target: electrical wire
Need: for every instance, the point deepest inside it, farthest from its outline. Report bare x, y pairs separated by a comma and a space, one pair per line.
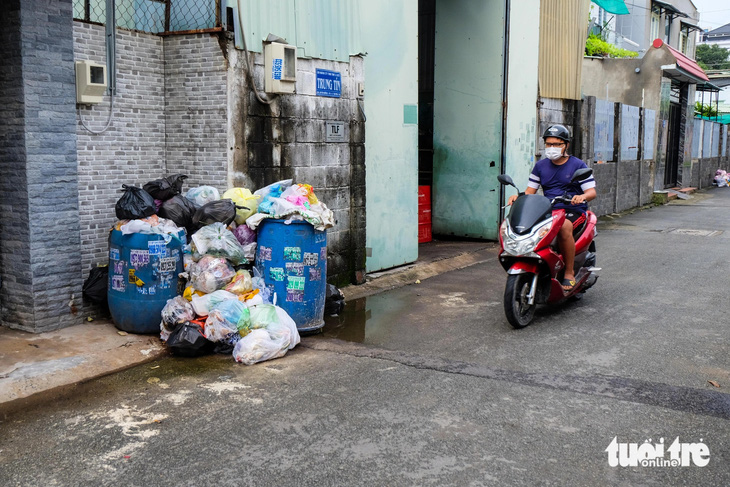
108, 122
249, 74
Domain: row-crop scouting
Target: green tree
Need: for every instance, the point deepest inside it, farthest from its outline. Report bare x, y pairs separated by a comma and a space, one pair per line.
712, 57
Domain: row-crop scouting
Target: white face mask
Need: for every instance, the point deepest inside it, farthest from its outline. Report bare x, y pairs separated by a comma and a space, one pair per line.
553, 153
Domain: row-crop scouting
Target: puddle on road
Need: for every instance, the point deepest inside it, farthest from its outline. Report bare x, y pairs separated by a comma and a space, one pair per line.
373, 320
351, 324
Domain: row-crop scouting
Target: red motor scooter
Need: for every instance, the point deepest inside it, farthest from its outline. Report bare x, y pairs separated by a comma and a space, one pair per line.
532, 259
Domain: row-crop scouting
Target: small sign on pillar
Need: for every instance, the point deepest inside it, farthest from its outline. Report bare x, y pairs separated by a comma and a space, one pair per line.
335, 131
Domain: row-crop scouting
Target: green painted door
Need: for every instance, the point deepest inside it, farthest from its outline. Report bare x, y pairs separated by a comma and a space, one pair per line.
468, 77
390, 39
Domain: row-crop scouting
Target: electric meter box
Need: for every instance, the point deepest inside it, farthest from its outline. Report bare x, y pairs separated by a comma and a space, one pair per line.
280, 68
91, 82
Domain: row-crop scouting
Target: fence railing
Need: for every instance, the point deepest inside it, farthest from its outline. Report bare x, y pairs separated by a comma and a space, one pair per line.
153, 16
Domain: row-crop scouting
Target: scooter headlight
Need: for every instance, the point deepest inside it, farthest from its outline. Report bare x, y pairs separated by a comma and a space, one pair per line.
524, 244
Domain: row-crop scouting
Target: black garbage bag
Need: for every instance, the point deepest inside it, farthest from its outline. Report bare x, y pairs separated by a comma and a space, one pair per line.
165, 188
334, 303
134, 204
187, 340
94, 289
223, 211
180, 210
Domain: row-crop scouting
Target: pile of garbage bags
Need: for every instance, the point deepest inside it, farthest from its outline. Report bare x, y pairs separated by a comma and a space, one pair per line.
722, 178
224, 308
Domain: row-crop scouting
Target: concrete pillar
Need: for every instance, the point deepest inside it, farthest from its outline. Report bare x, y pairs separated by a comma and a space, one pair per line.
40, 255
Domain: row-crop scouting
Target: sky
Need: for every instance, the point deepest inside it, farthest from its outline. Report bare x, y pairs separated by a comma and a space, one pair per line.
713, 13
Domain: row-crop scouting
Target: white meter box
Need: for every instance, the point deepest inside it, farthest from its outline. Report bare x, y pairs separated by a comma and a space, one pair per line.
91, 82
280, 68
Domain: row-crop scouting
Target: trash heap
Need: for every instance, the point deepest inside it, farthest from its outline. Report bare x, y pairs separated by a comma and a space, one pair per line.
225, 307
722, 178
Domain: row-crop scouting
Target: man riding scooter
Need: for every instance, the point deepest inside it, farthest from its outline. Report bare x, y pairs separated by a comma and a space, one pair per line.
554, 173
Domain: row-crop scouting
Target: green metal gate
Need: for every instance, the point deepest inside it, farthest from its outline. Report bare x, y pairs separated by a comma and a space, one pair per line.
468, 94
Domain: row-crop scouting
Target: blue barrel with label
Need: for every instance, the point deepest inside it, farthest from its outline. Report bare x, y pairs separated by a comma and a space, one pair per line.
143, 275
292, 258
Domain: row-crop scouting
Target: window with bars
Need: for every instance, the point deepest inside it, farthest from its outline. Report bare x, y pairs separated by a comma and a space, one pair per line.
153, 16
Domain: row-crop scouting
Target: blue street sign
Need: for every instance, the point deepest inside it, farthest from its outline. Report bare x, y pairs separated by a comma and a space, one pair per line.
329, 83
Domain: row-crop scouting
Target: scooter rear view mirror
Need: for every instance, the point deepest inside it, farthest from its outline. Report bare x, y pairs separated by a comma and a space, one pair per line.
581, 174
505, 179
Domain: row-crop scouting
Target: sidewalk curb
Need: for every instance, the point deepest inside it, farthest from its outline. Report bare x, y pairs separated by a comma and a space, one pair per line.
26, 381
400, 276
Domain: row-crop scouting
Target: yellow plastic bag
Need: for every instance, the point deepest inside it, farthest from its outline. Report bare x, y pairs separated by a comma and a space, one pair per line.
242, 197
240, 284
189, 291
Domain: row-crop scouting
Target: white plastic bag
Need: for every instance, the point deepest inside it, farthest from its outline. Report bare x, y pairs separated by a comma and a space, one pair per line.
273, 341
202, 305
286, 320
211, 273
202, 195
256, 347
216, 239
227, 322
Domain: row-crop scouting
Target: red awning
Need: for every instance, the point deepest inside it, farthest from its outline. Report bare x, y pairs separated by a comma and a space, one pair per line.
686, 66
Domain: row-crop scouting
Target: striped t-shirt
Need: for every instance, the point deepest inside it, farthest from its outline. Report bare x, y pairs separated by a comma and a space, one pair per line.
555, 179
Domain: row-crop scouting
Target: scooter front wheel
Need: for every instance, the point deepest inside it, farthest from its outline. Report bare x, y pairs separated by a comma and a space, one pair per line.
519, 312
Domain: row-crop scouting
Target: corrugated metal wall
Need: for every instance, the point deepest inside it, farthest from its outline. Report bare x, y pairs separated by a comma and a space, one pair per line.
323, 29
563, 31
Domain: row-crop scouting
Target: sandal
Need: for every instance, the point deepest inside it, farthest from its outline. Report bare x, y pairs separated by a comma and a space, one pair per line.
568, 284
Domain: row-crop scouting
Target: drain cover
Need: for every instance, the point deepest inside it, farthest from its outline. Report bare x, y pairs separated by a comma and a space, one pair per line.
697, 233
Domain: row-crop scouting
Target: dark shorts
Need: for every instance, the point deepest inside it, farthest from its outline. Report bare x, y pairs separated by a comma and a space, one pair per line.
575, 216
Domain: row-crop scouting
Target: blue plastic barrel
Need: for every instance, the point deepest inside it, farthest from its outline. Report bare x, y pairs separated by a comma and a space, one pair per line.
143, 272
292, 258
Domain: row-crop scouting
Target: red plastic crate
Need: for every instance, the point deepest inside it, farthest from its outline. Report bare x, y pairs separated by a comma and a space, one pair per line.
424, 214
424, 232
424, 195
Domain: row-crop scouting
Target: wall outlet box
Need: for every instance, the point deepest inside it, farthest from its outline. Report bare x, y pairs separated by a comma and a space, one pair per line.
91, 82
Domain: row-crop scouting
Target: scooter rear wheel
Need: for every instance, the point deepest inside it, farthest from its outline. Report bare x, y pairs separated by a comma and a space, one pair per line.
519, 313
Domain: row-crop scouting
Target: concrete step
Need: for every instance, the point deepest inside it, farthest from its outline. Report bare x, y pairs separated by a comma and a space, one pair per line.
663, 197
685, 190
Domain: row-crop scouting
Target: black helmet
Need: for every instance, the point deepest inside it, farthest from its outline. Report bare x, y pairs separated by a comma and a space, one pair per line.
558, 131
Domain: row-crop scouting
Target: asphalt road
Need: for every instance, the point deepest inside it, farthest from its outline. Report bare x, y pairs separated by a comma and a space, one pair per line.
431, 386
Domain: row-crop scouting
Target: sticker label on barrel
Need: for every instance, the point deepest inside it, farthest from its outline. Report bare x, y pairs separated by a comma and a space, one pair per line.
139, 258
119, 268
157, 247
114, 253
294, 296
295, 268
264, 253
168, 264
320, 237
315, 274
295, 283
323, 253
276, 273
311, 258
293, 253
118, 284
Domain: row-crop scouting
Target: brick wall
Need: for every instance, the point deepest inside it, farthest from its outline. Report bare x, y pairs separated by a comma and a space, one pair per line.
178, 108
17, 285
627, 185
196, 106
132, 149
39, 205
605, 176
287, 139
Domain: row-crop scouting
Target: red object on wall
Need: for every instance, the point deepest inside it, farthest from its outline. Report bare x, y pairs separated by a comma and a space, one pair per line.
424, 214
